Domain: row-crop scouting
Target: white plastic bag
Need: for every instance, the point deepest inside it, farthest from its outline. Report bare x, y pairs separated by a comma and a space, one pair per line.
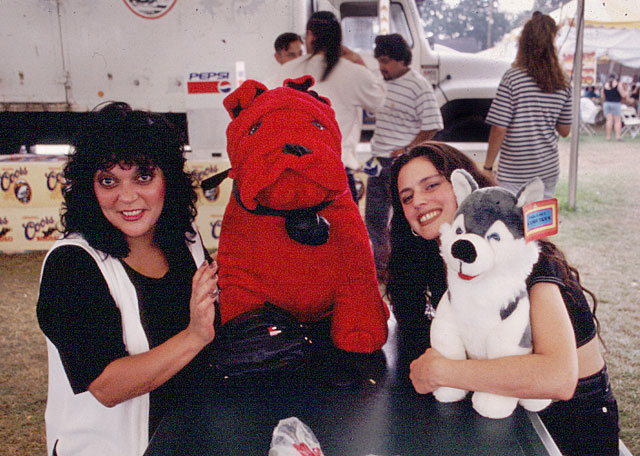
292, 437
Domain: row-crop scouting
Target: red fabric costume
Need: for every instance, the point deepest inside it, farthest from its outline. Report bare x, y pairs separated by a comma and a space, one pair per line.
284, 149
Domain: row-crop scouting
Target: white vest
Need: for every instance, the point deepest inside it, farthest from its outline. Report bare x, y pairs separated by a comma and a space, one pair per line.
78, 422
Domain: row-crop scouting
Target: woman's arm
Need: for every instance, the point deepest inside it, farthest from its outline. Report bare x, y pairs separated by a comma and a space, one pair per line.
496, 137
551, 371
563, 130
132, 376
622, 91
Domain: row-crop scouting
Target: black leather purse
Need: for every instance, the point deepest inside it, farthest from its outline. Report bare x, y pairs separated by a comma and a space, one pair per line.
261, 343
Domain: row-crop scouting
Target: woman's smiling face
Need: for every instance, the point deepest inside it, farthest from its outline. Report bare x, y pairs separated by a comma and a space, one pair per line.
131, 198
426, 196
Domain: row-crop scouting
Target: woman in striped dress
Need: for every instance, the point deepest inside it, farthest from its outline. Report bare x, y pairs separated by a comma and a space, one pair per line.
532, 105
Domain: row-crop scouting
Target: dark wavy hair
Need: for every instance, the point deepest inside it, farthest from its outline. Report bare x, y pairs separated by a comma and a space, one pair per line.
415, 267
569, 275
327, 36
116, 134
393, 46
537, 53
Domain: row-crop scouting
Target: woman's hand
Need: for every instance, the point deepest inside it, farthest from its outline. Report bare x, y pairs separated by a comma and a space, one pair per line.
490, 174
204, 291
348, 54
423, 371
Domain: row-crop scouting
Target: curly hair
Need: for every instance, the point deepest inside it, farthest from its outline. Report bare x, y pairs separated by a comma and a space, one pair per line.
393, 46
327, 36
537, 53
115, 134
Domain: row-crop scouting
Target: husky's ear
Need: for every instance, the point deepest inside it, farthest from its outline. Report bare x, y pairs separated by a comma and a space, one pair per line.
463, 184
531, 192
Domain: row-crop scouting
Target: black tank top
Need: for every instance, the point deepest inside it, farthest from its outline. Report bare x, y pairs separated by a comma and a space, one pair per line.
612, 95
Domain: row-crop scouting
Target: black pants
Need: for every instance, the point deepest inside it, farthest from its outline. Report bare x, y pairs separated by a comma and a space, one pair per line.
587, 424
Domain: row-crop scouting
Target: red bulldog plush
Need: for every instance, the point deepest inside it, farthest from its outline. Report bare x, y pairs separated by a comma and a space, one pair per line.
291, 234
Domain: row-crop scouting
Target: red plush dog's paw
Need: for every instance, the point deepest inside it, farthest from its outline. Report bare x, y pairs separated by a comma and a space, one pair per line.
358, 342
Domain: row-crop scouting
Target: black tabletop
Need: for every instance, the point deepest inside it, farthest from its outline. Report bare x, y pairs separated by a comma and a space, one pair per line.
377, 413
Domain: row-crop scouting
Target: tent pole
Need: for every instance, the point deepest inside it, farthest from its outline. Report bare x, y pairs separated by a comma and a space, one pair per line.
577, 86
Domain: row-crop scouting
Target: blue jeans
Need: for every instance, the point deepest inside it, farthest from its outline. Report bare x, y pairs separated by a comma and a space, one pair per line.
549, 186
377, 214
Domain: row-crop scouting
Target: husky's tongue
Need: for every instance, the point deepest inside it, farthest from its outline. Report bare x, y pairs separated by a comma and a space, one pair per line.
466, 277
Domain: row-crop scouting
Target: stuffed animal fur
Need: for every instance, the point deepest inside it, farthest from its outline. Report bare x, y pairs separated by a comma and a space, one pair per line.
291, 233
485, 312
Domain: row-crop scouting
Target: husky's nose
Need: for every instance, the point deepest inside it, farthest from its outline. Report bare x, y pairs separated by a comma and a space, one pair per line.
295, 149
464, 250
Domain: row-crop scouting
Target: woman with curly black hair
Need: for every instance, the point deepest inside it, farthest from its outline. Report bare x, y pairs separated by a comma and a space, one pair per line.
127, 298
566, 363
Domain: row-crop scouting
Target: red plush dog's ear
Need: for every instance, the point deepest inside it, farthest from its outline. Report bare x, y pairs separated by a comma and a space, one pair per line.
243, 97
303, 83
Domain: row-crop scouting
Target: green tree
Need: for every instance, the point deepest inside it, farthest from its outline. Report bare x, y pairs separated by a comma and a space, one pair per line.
479, 20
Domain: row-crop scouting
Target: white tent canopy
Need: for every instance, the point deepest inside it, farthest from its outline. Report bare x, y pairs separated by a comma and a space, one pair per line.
611, 29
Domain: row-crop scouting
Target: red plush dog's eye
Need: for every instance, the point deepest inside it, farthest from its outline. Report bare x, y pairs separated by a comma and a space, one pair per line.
318, 125
254, 128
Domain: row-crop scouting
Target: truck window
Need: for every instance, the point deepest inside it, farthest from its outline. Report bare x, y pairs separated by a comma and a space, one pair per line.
360, 24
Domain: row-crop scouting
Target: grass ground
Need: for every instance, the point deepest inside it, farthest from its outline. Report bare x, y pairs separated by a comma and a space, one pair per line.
601, 237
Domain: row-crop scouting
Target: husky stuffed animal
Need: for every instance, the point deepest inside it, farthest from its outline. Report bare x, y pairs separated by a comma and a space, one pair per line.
485, 312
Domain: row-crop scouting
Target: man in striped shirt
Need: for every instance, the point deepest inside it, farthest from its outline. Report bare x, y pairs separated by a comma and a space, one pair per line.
410, 115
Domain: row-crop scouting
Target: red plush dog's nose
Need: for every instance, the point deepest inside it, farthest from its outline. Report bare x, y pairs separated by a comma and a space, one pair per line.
295, 149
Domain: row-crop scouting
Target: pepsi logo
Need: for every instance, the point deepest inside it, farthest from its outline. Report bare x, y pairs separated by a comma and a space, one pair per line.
224, 86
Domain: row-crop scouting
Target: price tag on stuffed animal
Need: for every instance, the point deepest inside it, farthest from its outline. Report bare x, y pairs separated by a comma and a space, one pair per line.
540, 219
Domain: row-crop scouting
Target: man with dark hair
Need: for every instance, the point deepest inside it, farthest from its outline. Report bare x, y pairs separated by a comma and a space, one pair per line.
288, 46
410, 115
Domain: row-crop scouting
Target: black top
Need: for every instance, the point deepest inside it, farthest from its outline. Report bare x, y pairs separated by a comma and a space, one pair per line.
612, 94
78, 314
574, 299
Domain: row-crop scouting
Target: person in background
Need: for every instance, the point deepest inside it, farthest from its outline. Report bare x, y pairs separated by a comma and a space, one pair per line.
341, 76
126, 295
635, 97
288, 46
532, 105
566, 364
410, 115
590, 92
612, 95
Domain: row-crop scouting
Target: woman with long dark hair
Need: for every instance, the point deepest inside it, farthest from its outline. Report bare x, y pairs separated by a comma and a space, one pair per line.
126, 295
566, 363
341, 76
532, 105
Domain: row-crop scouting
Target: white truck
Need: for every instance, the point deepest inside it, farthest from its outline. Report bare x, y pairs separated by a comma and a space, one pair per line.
61, 58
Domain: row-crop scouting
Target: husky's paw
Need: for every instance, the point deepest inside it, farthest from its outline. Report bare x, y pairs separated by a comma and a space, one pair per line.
535, 405
446, 394
493, 405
